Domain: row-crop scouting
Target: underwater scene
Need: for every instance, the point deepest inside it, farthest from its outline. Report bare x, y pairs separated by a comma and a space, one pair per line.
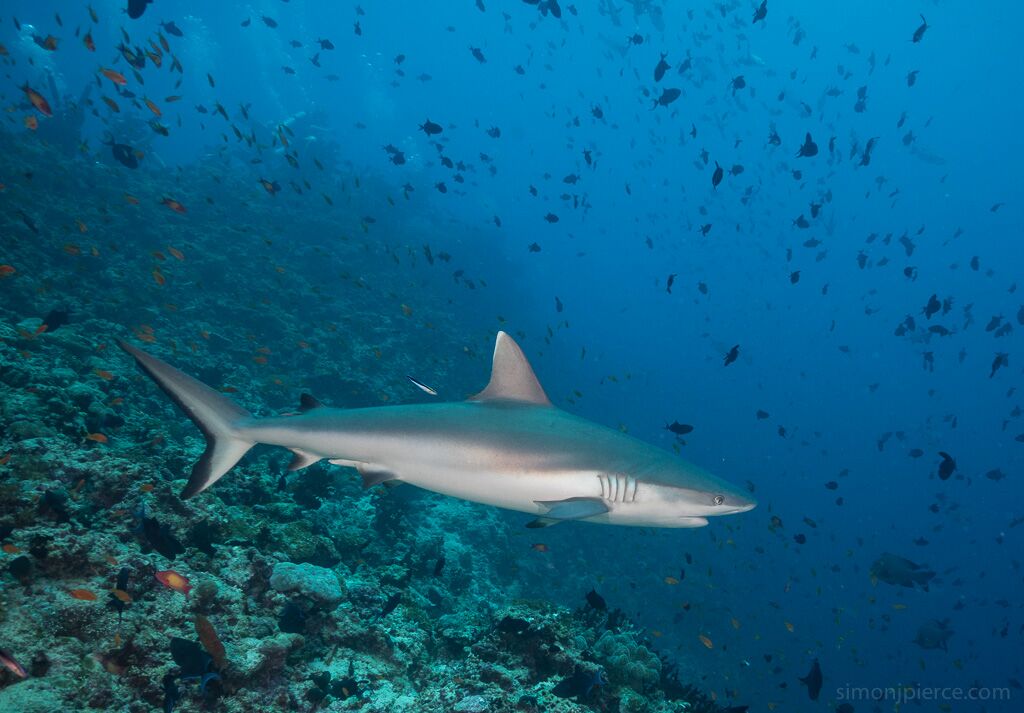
627, 356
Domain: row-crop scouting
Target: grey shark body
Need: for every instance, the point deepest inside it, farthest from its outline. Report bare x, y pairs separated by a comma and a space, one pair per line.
507, 446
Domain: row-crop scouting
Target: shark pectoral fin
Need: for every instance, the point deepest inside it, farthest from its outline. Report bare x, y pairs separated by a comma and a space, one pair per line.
301, 460
573, 508
374, 476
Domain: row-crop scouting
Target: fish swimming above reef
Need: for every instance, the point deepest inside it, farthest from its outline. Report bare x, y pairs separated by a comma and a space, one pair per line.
934, 635
896, 570
506, 446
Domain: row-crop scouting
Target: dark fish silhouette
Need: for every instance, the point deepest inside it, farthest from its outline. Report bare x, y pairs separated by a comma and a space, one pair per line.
899, 571
934, 635
947, 467
680, 429
809, 148
919, 32
668, 283
579, 685
596, 601
663, 66
813, 681
761, 12
667, 97
124, 154
732, 355
430, 128
171, 29
717, 176
137, 7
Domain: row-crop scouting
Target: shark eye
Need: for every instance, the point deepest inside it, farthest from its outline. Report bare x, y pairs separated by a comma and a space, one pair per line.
719, 499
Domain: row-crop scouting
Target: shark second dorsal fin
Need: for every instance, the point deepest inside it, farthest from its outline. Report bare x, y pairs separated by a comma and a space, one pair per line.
512, 378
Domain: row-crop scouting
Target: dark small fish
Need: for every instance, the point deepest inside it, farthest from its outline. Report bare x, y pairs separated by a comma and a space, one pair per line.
1001, 359
478, 55
761, 12
800, 538
534, 248
430, 128
551, 218
813, 681
124, 154
269, 21
919, 32
667, 97
809, 148
680, 429
55, 319
596, 601
292, 619
558, 304
580, 684
717, 176
325, 44
439, 566
732, 355
669, 282
947, 467
761, 415
389, 606
171, 29
661, 68
137, 7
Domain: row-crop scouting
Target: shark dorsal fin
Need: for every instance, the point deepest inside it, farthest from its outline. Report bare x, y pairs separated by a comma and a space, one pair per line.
512, 379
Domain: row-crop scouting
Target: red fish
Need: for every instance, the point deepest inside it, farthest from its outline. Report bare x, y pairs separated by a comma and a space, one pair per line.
114, 76
174, 205
172, 580
37, 100
87, 41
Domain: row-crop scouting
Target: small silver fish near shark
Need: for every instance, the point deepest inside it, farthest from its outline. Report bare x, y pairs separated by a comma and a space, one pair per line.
507, 446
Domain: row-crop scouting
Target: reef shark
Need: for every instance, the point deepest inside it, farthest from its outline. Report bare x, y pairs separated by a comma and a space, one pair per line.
506, 446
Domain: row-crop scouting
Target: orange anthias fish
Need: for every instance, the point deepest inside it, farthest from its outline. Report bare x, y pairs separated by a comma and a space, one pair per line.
539, 547
172, 580
87, 41
31, 123
84, 594
174, 205
7, 270
37, 100
152, 107
114, 76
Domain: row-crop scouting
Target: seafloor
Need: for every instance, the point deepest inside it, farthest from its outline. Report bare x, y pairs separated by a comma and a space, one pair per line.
305, 592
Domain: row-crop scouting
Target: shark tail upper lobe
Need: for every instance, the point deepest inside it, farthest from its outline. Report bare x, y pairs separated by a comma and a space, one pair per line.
215, 415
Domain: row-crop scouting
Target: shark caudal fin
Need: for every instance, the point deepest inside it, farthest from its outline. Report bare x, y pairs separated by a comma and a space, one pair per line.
216, 416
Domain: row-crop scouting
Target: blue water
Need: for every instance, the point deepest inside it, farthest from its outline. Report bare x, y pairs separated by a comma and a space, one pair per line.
817, 353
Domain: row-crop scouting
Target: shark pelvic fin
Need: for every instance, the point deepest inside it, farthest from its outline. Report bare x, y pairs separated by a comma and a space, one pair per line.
512, 378
301, 460
572, 508
374, 476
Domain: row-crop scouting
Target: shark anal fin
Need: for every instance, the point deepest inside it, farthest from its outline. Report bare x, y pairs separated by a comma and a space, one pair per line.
573, 508
308, 403
301, 460
374, 476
